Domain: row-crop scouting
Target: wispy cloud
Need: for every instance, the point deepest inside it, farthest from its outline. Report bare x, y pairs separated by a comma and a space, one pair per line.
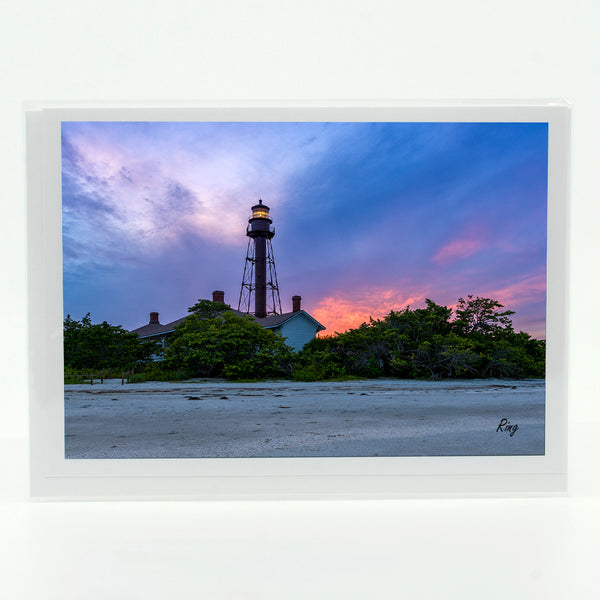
527, 289
458, 249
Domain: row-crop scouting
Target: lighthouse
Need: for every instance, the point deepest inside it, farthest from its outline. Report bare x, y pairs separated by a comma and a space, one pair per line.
259, 286
259, 281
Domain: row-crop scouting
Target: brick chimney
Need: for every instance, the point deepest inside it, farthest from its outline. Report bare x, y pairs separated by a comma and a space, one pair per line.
154, 318
219, 296
296, 300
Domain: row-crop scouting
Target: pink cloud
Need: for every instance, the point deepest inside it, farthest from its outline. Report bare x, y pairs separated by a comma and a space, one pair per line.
342, 310
526, 290
458, 249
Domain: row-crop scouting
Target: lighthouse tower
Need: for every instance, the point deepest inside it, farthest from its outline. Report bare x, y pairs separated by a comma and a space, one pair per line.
260, 278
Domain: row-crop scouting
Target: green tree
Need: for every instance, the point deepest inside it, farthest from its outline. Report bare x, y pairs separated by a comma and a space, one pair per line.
207, 309
101, 346
319, 359
513, 355
428, 343
481, 315
215, 342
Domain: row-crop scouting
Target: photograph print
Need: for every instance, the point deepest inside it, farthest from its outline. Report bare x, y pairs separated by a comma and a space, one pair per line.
254, 289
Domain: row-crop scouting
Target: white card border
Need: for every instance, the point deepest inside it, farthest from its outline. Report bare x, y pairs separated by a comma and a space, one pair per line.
52, 476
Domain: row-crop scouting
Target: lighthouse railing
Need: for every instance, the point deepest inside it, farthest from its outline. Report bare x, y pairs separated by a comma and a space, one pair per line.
269, 229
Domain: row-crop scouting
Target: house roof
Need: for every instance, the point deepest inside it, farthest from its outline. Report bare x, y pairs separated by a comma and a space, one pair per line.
271, 321
152, 329
268, 322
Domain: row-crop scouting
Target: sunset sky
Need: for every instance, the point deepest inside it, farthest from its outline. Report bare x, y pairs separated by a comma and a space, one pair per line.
369, 217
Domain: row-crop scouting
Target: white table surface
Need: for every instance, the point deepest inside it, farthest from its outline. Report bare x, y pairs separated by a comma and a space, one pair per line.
542, 547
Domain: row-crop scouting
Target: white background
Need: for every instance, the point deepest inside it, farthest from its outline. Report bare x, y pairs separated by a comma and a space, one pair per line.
348, 50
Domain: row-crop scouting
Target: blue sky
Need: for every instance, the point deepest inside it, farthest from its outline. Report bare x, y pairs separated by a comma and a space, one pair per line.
369, 217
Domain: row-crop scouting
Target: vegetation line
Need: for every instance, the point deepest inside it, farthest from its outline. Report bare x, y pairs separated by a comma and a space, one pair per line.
477, 340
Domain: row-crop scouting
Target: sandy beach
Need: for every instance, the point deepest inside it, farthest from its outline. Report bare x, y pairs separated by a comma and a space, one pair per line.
288, 419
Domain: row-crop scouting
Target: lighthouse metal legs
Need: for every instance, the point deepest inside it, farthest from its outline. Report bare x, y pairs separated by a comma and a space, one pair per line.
259, 281
245, 301
274, 302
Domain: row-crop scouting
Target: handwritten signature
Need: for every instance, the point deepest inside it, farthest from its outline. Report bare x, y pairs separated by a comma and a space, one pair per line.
507, 427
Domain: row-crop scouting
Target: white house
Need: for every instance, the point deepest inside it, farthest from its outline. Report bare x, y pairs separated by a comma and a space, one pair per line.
297, 326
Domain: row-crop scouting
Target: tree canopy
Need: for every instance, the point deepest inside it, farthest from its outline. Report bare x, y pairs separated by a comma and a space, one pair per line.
215, 342
102, 346
481, 315
430, 342
434, 342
